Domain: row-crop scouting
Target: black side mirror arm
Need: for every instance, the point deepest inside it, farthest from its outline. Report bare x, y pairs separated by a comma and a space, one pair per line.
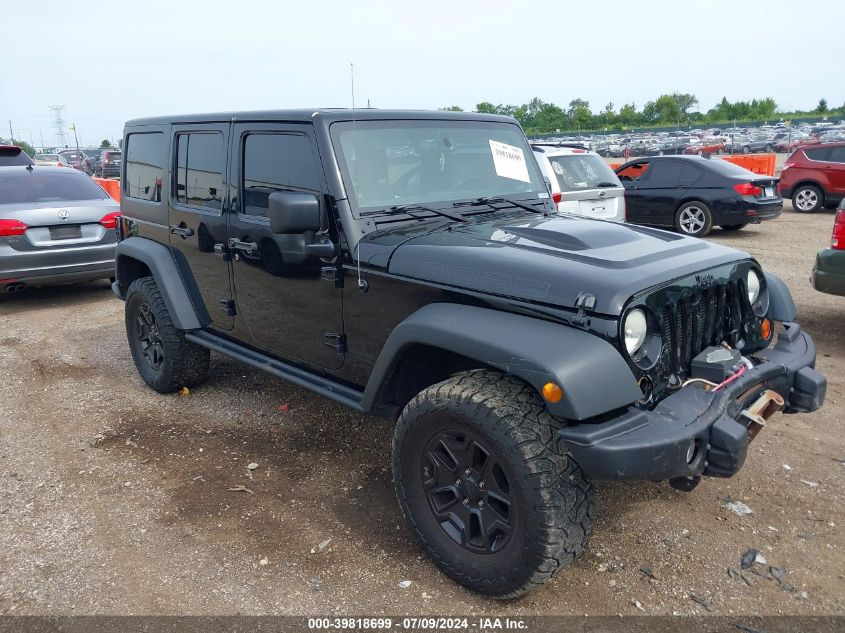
324, 249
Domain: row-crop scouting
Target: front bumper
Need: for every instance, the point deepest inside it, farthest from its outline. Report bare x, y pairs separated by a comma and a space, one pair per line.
694, 432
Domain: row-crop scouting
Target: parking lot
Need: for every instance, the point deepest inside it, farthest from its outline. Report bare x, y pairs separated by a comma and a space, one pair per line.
120, 500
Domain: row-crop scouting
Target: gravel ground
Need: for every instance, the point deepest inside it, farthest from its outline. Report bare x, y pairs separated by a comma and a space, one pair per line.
118, 500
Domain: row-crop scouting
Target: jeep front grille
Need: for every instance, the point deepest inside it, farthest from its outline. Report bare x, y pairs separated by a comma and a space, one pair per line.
707, 316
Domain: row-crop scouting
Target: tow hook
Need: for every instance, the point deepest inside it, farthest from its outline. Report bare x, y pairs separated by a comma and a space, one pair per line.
685, 484
769, 403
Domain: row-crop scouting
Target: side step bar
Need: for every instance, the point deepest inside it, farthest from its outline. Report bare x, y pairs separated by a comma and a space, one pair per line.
290, 373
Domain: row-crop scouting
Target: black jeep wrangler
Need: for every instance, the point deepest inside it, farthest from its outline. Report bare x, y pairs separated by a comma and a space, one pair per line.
412, 265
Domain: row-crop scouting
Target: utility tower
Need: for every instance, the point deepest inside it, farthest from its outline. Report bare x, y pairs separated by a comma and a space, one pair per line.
59, 125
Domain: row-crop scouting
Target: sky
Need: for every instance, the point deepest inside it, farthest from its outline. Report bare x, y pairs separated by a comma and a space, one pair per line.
108, 62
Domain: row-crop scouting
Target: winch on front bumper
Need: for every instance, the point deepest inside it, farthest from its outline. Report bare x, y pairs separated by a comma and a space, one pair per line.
696, 432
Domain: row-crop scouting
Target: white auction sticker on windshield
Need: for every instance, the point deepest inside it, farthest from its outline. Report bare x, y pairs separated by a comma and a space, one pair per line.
509, 161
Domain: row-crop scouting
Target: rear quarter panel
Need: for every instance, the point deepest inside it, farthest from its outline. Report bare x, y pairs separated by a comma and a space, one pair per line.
146, 218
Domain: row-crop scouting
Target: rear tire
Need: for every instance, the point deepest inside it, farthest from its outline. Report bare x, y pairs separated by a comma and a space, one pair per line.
807, 199
694, 219
162, 355
733, 227
485, 485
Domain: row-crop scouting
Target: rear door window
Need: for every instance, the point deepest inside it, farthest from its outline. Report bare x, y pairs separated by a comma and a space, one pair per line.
145, 158
200, 161
837, 155
673, 172
820, 153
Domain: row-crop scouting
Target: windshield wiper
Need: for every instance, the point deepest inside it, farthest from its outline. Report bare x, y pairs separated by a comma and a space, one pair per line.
606, 184
406, 208
489, 201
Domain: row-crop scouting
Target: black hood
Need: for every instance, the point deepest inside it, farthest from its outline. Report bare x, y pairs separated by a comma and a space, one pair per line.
545, 259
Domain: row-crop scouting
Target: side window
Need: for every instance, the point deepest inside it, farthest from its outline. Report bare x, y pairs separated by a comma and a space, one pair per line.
200, 161
821, 153
837, 154
145, 157
276, 162
671, 172
633, 172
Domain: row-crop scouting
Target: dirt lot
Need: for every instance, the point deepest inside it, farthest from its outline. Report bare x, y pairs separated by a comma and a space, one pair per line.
114, 499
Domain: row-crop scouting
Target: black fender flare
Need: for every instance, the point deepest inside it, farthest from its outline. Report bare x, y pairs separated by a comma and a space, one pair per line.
160, 259
594, 376
781, 304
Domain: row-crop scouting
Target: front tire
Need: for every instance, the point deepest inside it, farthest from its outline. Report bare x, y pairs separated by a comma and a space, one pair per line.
164, 358
807, 199
694, 219
485, 485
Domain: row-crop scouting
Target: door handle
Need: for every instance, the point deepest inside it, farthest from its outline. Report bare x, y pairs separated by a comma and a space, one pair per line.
182, 231
244, 247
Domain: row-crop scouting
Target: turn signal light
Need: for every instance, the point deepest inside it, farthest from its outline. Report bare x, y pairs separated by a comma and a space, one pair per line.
9, 228
552, 392
109, 221
766, 329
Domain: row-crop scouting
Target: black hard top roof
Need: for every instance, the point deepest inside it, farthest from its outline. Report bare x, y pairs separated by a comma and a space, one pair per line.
327, 115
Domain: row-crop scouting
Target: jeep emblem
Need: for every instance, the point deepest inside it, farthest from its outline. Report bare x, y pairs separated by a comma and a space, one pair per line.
64, 215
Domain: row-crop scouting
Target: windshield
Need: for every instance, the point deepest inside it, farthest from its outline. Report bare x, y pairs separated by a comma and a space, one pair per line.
389, 163
582, 171
26, 186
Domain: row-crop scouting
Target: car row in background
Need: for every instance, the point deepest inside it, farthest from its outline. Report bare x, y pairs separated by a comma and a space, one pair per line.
102, 163
737, 140
51, 160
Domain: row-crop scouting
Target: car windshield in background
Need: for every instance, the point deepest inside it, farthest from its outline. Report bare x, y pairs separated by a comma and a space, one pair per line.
113, 156
582, 171
34, 186
389, 163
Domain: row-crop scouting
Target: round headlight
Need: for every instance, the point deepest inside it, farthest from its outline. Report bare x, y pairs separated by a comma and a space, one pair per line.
635, 329
752, 282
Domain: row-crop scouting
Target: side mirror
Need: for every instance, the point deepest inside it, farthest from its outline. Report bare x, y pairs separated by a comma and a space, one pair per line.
293, 212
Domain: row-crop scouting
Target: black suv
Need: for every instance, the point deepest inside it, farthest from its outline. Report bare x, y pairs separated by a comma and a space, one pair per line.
412, 265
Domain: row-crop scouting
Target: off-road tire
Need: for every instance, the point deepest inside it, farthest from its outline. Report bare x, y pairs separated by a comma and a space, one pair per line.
553, 498
184, 364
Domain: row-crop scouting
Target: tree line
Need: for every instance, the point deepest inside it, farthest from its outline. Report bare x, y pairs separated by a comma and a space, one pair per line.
538, 116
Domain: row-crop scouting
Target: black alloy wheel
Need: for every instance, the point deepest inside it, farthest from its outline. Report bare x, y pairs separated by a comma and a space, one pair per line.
468, 491
149, 337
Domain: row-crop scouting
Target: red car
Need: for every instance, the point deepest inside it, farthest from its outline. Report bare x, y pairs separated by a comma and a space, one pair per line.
708, 147
814, 177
